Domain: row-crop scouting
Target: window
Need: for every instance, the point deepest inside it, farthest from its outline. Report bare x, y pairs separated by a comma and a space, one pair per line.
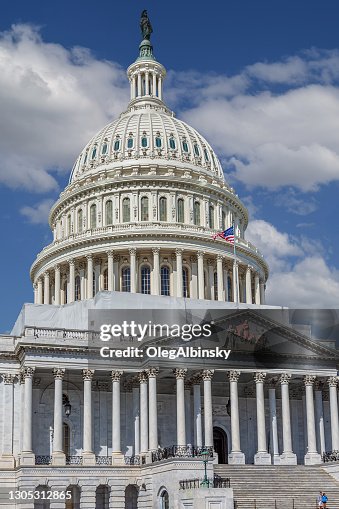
126, 279
196, 150
105, 279
74, 501
104, 149
185, 289
206, 155
109, 212
94, 153
165, 280
144, 208
126, 210
215, 283
42, 502
130, 143
158, 142
77, 288
144, 142
131, 497
172, 143
185, 146
211, 216
65, 292
102, 497
181, 211
80, 220
94, 287
93, 216
69, 225
116, 145
163, 209
164, 500
223, 220
66, 439
229, 288
85, 158
145, 280
196, 213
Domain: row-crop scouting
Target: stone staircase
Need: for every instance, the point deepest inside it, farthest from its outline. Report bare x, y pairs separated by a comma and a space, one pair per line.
279, 487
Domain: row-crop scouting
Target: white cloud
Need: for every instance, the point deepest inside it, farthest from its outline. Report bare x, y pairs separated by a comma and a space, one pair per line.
38, 214
52, 100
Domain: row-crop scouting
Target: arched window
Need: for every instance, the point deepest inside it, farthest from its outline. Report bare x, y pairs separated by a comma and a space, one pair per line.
109, 212
165, 280
145, 279
163, 209
105, 279
172, 143
130, 142
144, 142
185, 146
181, 211
104, 149
126, 210
211, 216
116, 145
94, 153
196, 213
93, 216
206, 155
69, 224
126, 279
215, 283
79, 216
229, 288
131, 497
74, 501
223, 220
164, 500
185, 283
42, 502
85, 158
144, 209
196, 150
102, 497
158, 142
77, 288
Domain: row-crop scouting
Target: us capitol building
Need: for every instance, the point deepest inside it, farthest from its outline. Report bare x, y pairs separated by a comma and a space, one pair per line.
134, 230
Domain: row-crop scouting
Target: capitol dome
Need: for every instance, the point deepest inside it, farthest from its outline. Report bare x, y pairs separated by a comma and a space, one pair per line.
144, 199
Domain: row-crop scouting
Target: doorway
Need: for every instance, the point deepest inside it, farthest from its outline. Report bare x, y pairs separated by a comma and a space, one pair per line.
220, 445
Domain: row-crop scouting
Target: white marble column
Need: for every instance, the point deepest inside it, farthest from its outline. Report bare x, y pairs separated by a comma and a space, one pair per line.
132, 253
311, 457
236, 457
287, 457
58, 456
181, 424
188, 412
7, 458
156, 271
256, 289
153, 409
236, 295
207, 375
154, 85
136, 417
178, 253
273, 422
89, 276
197, 411
110, 272
319, 412
46, 287
146, 83
57, 281
117, 456
139, 84
39, 291
261, 457
27, 455
71, 281
210, 275
332, 383
143, 413
87, 452
201, 285
249, 298
220, 278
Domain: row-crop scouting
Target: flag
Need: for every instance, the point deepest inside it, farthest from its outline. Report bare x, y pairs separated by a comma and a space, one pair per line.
227, 235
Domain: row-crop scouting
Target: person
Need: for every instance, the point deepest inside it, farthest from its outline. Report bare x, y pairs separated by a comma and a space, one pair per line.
320, 499
324, 500
145, 25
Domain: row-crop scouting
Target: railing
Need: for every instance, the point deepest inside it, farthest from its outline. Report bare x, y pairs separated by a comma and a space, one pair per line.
180, 451
74, 460
330, 456
132, 460
43, 460
212, 482
42, 332
103, 460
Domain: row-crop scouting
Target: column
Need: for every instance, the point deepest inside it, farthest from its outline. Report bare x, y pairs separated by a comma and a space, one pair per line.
235, 283
71, 281
256, 289
58, 456
181, 425
35, 290
207, 375
311, 457
57, 285
117, 456
160, 88
143, 413
261, 457
210, 265
39, 291
146, 83
273, 423
220, 278
249, 298
132, 253
136, 418
227, 297
46, 287
178, 253
319, 412
89, 276
201, 285
153, 409
197, 411
262, 292
154, 86
87, 452
287, 457
6, 458
110, 273
156, 271
139, 84
27, 455
188, 412
332, 383
236, 456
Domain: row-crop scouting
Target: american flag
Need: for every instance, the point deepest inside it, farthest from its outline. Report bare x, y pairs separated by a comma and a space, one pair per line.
227, 235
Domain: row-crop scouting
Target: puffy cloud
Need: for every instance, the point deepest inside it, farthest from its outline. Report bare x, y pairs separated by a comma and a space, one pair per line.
52, 101
38, 214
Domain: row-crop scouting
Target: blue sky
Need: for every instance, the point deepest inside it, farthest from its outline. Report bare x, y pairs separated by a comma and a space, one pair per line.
258, 79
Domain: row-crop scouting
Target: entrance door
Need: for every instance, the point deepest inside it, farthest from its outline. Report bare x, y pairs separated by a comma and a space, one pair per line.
220, 445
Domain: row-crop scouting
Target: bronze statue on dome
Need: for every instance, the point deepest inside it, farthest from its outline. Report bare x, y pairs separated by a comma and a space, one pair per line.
145, 25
